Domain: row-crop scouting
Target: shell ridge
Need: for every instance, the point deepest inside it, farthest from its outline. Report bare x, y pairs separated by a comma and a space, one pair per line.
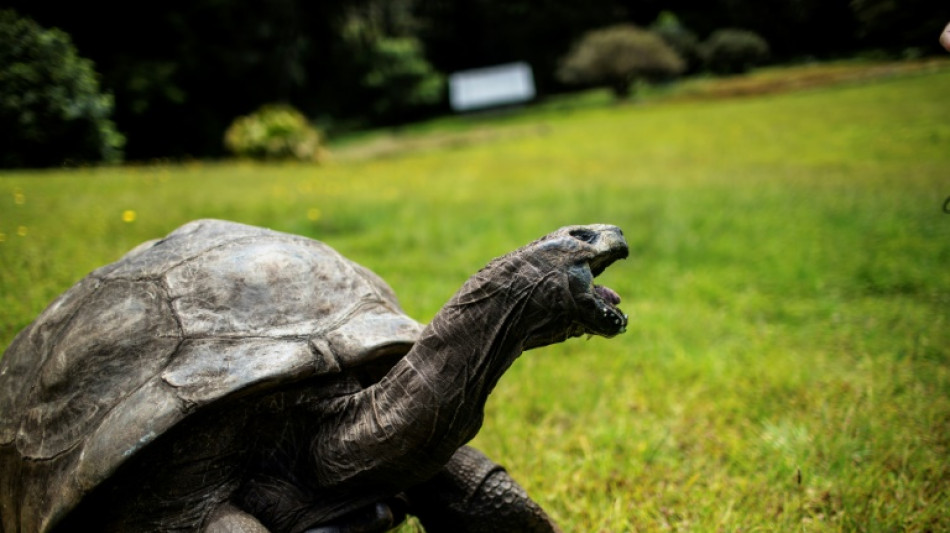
235, 241
160, 284
47, 349
343, 317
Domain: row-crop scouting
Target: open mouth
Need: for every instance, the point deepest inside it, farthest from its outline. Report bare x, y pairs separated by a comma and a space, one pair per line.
597, 305
607, 320
612, 321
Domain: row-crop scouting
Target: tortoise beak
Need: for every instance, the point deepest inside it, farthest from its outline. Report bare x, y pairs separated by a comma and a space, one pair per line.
598, 304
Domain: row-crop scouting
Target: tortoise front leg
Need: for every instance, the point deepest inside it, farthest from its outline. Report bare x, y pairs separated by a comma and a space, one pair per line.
472, 494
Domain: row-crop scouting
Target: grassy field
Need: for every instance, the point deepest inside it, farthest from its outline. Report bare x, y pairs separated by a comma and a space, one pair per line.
787, 367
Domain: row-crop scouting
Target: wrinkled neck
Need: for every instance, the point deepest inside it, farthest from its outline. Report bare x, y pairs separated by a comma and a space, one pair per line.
471, 342
479, 333
407, 426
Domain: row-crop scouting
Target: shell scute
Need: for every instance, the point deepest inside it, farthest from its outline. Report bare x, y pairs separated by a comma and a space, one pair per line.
127, 337
269, 288
213, 310
207, 369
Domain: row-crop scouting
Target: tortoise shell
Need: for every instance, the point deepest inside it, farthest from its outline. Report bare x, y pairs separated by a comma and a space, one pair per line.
215, 309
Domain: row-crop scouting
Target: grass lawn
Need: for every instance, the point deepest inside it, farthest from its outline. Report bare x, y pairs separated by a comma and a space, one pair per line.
787, 366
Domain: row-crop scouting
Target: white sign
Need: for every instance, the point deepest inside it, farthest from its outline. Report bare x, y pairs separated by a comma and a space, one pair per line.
493, 86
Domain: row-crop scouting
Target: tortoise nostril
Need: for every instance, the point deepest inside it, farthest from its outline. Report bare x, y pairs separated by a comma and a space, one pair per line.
584, 234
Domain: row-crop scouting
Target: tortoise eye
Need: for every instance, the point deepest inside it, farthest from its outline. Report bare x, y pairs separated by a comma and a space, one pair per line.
583, 234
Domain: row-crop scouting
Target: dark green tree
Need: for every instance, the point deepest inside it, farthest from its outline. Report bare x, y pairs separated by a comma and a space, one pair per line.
733, 51
794, 29
51, 109
683, 41
394, 76
897, 25
399, 77
469, 34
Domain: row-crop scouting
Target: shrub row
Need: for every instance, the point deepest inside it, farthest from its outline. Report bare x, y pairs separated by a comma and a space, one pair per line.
54, 112
620, 56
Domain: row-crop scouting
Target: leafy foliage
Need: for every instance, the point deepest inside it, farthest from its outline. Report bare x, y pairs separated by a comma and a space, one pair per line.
899, 25
51, 108
733, 51
393, 71
275, 131
189, 62
400, 77
680, 38
618, 56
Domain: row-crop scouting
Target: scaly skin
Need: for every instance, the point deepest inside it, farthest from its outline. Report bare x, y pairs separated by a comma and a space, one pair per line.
474, 495
403, 430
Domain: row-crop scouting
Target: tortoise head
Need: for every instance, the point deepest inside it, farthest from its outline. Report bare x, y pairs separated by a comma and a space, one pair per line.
582, 253
558, 272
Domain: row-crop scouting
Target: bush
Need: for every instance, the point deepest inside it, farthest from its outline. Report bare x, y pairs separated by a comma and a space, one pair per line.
732, 51
275, 131
50, 105
617, 57
683, 41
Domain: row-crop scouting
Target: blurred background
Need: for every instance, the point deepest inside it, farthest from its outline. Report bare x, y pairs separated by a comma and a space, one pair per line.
177, 74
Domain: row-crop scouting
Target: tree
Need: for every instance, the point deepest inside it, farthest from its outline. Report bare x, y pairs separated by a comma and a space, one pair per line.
481, 33
393, 72
51, 110
683, 41
897, 25
618, 56
733, 51
400, 77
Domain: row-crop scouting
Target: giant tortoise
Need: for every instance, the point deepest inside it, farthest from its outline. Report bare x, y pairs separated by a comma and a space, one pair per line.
234, 378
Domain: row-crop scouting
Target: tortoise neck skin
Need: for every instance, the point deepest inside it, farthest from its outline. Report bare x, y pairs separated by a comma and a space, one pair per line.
405, 427
432, 401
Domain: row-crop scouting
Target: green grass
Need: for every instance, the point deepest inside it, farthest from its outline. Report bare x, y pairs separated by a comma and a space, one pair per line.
787, 366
